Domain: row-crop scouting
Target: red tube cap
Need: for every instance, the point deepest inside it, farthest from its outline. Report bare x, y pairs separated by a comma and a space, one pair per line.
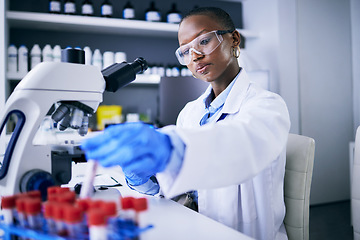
32, 206
140, 204
97, 217
72, 214
8, 202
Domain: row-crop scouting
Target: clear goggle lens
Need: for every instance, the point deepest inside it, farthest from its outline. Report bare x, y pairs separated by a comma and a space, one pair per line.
204, 44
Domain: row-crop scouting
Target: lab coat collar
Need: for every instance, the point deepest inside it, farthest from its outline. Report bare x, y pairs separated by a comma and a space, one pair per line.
236, 96
237, 93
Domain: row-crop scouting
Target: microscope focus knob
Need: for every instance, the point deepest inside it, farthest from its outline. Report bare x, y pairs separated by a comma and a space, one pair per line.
36, 179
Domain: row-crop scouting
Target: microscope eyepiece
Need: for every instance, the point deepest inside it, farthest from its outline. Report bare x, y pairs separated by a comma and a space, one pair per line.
139, 65
119, 75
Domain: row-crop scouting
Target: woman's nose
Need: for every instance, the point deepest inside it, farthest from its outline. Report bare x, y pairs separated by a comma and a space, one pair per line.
195, 54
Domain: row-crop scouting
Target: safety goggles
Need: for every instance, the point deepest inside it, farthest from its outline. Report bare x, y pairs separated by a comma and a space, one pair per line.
202, 45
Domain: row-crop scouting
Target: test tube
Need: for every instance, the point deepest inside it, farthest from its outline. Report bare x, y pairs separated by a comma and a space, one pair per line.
34, 194
33, 213
59, 219
110, 210
67, 197
97, 225
49, 217
84, 205
140, 205
52, 190
8, 208
73, 221
127, 211
20, 208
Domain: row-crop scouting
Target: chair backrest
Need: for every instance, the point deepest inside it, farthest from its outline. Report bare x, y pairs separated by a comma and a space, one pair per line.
300, 152
355, 188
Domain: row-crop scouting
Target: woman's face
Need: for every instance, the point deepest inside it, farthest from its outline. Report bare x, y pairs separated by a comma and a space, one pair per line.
215, 66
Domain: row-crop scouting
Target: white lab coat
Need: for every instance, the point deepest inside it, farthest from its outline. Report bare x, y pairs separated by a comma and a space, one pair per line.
237, 165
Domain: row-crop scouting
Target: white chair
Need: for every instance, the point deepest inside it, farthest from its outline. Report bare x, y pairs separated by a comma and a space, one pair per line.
355, 188
300, 152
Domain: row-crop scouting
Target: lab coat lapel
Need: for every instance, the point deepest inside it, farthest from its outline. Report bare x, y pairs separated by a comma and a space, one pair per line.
236, 96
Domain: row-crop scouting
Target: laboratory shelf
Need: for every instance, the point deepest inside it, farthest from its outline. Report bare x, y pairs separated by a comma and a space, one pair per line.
60, 22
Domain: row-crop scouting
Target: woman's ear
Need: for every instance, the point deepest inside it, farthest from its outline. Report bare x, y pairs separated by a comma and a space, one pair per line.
236, 38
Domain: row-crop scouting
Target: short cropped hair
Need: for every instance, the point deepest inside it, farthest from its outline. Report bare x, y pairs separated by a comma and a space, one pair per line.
222, 16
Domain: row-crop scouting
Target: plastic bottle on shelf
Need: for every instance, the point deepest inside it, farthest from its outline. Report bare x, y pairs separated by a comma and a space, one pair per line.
12, 58
174, 16
23, 59
168, 71
161, 70
120, 57
70, 7
97, 59
47, 53
108, 59
35, 54
106, 9
152, 14
57, 53
54, 6
87, 8
88, 55
129, 11
175, 71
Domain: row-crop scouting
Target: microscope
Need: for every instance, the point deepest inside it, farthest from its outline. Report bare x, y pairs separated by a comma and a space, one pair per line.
58, 94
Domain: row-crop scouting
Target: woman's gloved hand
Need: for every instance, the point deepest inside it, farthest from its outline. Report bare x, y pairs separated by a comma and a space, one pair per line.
138, 148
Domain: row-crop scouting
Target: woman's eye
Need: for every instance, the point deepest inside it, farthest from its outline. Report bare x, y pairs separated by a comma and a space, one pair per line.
205, 41
185, 51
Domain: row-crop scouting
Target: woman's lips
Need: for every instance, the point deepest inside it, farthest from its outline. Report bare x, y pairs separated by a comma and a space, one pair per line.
202, 68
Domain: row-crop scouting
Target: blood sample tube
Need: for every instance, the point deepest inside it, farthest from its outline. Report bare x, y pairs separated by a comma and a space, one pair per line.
49, 217
73, 221
67, 197
59, 218
62, 190
8, 207
110, 210
33, 213
20, 209
127, 211
97, 225
95, 204
140, 205
34, 194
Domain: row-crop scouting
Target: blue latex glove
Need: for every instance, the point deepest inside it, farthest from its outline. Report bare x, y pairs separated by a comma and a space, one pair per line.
138, 148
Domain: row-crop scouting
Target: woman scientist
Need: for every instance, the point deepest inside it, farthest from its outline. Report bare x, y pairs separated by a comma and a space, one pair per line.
229, 145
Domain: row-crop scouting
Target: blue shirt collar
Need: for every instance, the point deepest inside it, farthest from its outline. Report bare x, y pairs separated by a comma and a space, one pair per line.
213, 105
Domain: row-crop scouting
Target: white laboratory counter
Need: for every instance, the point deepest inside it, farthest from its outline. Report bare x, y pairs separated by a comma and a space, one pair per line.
170, 219
176, 222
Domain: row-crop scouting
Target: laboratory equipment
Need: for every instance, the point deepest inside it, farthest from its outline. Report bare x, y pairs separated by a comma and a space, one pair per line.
69, 87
